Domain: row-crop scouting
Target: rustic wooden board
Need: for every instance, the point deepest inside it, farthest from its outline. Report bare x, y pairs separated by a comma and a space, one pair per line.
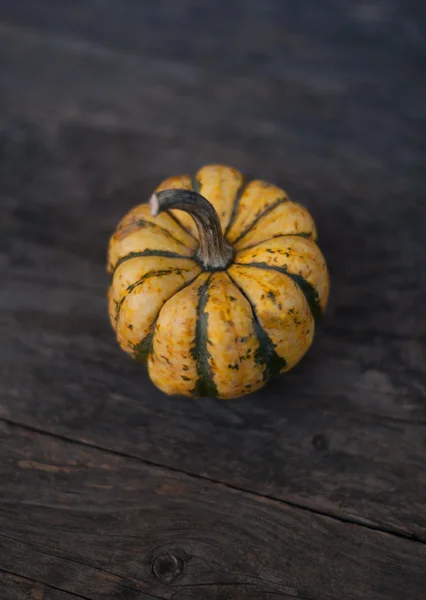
98, 103
99, 525
343, 433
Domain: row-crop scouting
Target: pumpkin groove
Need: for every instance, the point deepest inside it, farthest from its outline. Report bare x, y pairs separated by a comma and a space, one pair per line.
308, 289
285, 218
232, 340
142, 223
155, 279
172, 361
218, 287
139, 283
176, 220
256, 197
220, 185
143, 348
281, 309
147, 252
134, 238
182, 182
205, 385
257, 219
235, 206
305, 236
266, 354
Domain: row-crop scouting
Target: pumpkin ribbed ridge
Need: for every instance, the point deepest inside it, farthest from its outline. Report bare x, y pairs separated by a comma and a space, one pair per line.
132, 255
205, 385
257, 219
308, 289
217, 284
266, 354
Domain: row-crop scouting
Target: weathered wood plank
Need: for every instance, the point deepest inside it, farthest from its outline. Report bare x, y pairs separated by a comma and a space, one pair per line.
100, 101
344, 433
98, 525
325, 116
14, 587
234, 36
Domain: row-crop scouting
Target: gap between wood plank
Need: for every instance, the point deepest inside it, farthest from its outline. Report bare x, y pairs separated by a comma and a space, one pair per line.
350, 519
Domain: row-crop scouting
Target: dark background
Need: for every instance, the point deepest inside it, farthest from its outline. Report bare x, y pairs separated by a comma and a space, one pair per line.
313, 488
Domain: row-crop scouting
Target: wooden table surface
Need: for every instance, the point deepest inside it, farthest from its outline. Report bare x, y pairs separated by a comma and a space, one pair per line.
313, 488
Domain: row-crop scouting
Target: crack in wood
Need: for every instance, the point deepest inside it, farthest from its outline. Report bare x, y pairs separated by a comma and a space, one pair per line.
350, 519
47, 585
71, 560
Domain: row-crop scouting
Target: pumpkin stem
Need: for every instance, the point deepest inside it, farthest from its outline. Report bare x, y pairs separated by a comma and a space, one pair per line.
214, 252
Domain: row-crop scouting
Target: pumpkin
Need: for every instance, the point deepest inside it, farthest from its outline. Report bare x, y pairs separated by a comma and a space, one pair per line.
216, 285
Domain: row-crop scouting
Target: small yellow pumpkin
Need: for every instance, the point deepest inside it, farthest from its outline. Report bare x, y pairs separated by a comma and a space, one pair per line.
216, 284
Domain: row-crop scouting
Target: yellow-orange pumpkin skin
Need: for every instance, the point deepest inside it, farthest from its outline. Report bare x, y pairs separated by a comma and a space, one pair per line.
217, 332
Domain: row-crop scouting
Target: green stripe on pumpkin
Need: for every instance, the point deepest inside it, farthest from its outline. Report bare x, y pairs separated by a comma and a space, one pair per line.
205, 385
157, 273
306, 236
266, 353
307, 288
149, 252
142, 223
262, 214
145, 347
177, 221
235, 207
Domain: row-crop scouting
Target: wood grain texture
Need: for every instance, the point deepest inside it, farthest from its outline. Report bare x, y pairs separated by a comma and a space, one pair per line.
15, 587
100, 525
99, 102
360, 390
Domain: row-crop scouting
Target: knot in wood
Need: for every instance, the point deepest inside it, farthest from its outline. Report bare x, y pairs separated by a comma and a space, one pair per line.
167, 567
